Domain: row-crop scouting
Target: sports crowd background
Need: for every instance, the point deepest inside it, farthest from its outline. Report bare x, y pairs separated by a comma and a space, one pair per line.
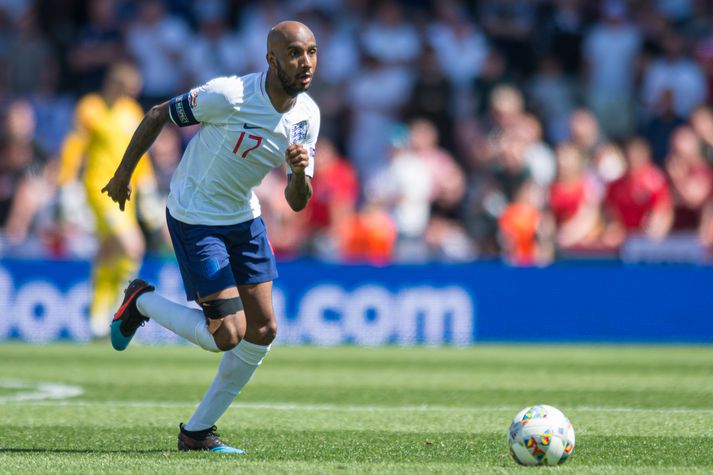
528, 130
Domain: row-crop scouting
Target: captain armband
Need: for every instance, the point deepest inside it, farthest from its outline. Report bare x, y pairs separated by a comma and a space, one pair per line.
179, 109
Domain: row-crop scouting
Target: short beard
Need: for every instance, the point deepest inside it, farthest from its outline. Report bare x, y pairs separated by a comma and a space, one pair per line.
287, 85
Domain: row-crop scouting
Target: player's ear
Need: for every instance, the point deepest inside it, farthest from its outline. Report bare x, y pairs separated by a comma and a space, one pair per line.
270, 57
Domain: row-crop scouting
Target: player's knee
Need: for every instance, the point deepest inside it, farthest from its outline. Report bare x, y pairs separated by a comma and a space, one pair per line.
225, 314
267, 333
227, 340
229, 334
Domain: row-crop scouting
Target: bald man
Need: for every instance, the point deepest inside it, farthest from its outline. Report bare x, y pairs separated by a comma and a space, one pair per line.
249, 125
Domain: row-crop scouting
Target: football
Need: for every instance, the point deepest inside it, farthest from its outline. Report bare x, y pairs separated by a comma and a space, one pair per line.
541, 435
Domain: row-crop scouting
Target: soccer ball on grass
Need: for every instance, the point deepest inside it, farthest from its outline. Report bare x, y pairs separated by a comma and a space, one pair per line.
541, 435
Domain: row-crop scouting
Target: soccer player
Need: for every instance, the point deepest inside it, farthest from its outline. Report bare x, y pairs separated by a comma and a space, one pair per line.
104, 123
250, 124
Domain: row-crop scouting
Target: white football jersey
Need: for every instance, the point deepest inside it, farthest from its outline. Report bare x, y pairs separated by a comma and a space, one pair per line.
242, 137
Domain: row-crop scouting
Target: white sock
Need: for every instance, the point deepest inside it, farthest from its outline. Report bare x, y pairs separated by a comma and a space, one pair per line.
235, 370
183, 321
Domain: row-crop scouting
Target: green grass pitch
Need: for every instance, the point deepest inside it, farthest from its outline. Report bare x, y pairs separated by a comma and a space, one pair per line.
640, 409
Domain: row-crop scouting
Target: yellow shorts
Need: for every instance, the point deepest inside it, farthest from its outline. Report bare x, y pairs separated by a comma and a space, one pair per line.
110, 220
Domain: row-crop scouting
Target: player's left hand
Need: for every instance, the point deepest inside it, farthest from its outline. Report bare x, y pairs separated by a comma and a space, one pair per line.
297, 158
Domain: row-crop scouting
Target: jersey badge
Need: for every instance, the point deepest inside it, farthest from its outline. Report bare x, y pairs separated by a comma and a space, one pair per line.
298, 132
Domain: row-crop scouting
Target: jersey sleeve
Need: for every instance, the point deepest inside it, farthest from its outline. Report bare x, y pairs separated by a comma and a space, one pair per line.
210, 103
310, 141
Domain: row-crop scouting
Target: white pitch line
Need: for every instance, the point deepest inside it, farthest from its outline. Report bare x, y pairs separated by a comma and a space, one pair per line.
355, 408
37, 391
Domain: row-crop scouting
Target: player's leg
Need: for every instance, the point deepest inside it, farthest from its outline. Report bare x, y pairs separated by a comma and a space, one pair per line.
189, 323
253, 264
204, 264
259, 313
218, 327
237, 365
120, 252
103, 290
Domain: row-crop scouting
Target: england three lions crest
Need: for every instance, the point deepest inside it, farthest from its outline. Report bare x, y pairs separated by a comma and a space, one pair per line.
298, 132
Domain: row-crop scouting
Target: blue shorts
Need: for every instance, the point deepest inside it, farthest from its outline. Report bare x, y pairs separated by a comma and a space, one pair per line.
213, 258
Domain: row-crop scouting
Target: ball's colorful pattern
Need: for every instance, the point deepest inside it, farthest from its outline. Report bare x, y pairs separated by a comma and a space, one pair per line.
541, 435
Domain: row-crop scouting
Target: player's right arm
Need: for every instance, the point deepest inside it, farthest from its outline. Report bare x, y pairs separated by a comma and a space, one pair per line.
119, 188
207, 103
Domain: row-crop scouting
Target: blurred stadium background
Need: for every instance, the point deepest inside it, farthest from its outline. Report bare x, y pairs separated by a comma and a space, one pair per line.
490, 170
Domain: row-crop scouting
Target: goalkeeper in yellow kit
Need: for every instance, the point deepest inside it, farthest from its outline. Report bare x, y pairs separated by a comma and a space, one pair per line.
104, 124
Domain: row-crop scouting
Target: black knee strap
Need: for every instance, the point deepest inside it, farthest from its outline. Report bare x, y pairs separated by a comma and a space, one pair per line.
221, 308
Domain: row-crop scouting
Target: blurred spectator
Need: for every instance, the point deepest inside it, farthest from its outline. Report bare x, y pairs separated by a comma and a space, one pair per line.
98, 45
7, 37
25, 175
538, 155
212, 52
165, 155
661, 125
564, 32
338, 50
702, 123
35, 69
460, 46
255, 21
639, 202
676, 11
574, 200
524, 231
698, 25
510, 170
608, 164
404, 188
447, 179
389, 37
376, 95
157, 41
15, 8
507, 107
339, 58
510, 25
691, 178
166, 152
610, 51
54, 118
585, 133
336, 190
369, 236
444, 237
677, 73
553, 97
494, 74
492, 186
32, 59
704, 56
432, 97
